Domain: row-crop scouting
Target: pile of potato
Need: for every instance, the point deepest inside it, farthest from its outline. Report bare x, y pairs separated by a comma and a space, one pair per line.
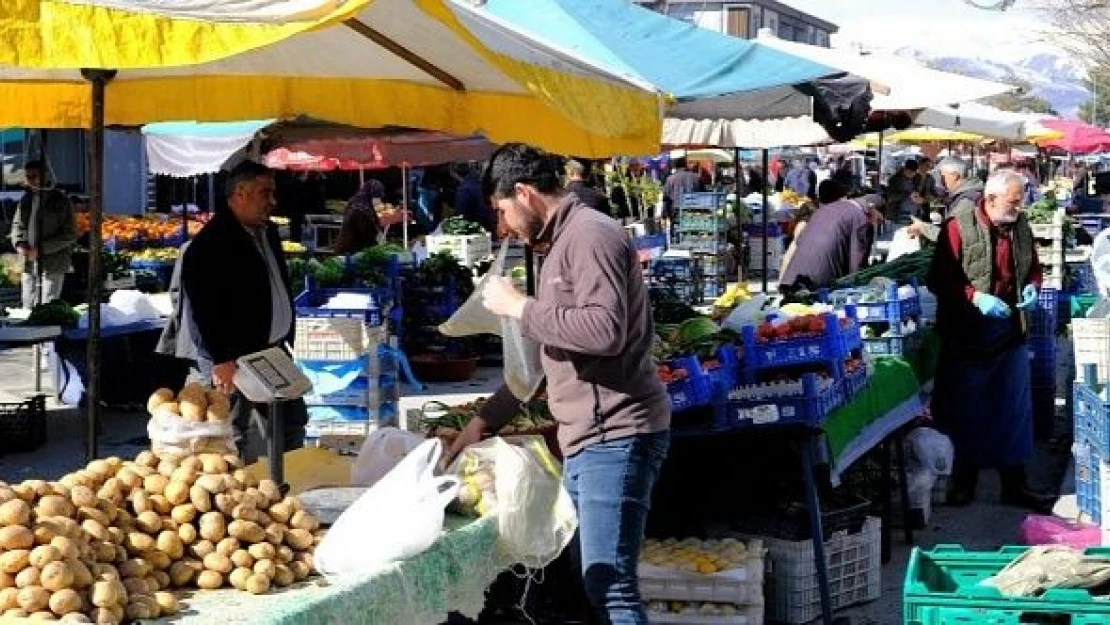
107, 543
193, 403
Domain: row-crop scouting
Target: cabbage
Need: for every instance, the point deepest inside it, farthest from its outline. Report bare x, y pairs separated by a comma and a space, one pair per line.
696, 329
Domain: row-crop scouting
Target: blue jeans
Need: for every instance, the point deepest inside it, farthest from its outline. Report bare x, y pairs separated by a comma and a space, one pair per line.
611, 485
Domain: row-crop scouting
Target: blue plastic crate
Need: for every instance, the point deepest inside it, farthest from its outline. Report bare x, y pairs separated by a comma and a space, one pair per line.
650, 242
833, 346
1042, 353
691, 392
773, 230
703, 200
898, 345
1043, 318
338, 413
161, 268
855, 382
310, 304
672, 268
1091, 415
1081, 279
891, 310
725, 376
810, 407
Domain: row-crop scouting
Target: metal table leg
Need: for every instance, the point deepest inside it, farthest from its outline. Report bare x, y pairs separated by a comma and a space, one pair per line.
904, 486
813, 505
36, 368
886, 512
275, 444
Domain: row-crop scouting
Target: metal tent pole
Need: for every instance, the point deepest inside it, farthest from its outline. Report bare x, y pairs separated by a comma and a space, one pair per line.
98, 78
404, 204
765, 217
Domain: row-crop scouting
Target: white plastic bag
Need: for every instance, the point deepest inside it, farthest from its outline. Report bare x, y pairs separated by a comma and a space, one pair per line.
134, 305
523, 372
535, 515
383, 450
902, 243
399, 517
930, 449
170, 434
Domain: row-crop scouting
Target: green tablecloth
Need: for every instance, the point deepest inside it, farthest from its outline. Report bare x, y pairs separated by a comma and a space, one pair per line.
451, 576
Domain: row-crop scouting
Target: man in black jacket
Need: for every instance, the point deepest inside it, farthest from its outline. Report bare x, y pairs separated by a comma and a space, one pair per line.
237, 285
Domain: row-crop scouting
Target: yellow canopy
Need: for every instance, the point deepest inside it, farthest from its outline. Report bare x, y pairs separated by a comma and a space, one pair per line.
430, 64
926, 134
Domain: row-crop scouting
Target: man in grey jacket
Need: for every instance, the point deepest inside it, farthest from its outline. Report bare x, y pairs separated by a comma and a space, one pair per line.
963, 193
44, 231
592, 315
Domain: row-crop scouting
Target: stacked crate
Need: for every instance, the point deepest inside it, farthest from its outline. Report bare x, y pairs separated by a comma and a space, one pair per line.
1091, 444
702, 230
1051, 250
349, 357
1042, 324
773, 249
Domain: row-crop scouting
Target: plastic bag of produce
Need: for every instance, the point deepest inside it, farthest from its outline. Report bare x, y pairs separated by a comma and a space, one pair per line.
903, 243
399, 517
930, 449
523, 373
382, 451
170, 434
518, 481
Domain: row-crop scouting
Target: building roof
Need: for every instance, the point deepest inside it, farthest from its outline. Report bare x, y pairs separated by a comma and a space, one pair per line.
772, 5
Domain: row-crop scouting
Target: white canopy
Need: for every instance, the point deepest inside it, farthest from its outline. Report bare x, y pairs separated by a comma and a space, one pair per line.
975, 118
751, 134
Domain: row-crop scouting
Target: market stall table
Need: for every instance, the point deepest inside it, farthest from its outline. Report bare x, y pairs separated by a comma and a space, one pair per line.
451, 576
14, 336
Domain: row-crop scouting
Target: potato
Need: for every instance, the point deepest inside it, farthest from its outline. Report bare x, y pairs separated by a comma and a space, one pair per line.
14, 561
200, 498
42, 615
15, 512
56, 576
24, 492
285, 555
248, 531
238, 578
16, 537
155, 484
7, 494
299, 539
105, 552
30, 576
138, 543
166, 466
283, 575
202, 548
76, 617
271, 490
66, 546
181, 574
265, 567
159, 560
187, 532
33, 598
135, 568
107, 616
304, 521
82, 576
177, 492
9, 599
55, 505
225, 503
214, 484
106, 594
163, 579
300, 570
149, 521
282, 511
216, 414
15, 613
161, 505
136, 586
158, 398
275, 534
217, 398
140, 502
213, 526
245, 478
43, 555
219, 563
127, 476
213, 463
262, 551
169, 543
192, 409
209, 580
87, 513
41, 487
7, 580
65, 601
141, 607
184, 475
121, 554
167, 603
258, 584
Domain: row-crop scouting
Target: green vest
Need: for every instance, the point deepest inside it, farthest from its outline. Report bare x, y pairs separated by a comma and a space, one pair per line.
977, 253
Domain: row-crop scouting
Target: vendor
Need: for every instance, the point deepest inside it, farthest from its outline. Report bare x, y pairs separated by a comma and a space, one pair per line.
361, 227
836, 241
593, 318
44, 231
470, 204
985, 273
962, 192
904, 191
577, 184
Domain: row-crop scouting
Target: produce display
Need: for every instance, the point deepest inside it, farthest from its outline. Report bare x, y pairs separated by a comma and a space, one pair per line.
698, 336
460, 226
439, 419
691, 555
56, 313
695, 608
901, 269
109, 542
131, 229
389, 215
292, 247
193, 403
477, 495
153, 254
801, 326
735, 295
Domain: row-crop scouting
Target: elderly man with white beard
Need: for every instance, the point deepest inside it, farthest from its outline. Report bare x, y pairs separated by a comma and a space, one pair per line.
985, 275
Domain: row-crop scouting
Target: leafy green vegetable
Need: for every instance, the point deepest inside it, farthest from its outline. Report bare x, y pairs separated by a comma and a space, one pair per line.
56, 313
459, 226
671, 312
328, 273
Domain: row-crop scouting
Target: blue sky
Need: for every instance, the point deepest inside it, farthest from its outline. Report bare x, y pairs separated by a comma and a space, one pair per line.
934, 25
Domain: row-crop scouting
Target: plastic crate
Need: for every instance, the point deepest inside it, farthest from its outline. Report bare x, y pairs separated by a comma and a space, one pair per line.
704, 201
725, 375
1090, 414
773, 229
808, 402
742, 585
834, 345
942, 587
1043, 318
839, 514
899, 345
856, 381
691, 392
1081, 279
333, 340
745, 615
701, 222
1091, 344
1088, 483
468, 249
160, 268
700, 244
23, 425
649, 242
672, 269
791, 592
310, 304
891, 310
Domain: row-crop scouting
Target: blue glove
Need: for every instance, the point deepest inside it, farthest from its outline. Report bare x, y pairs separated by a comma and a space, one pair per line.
991, 306
1028, 298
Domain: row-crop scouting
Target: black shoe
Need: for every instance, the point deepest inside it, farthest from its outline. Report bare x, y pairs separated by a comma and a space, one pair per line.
1031, 500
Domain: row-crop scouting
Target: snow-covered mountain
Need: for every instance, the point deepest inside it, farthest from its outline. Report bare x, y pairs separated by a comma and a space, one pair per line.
1052, 76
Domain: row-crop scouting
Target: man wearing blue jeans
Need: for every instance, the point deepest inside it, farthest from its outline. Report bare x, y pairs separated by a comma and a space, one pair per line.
592, 315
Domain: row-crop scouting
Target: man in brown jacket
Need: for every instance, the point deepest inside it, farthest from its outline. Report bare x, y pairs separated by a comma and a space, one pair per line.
593, 318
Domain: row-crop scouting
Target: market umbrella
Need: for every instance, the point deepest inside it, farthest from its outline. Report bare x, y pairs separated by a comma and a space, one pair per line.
1078, 137
927, 134
714, 155
430, 64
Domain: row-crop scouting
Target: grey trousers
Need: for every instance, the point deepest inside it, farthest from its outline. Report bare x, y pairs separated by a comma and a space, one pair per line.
51, 288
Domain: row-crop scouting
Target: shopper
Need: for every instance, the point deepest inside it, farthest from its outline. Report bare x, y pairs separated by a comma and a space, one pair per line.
576, 184
961, 192
835, 242
44, 231
237, 287
592, 316
684, 179
799, 178
470, 204
985, 272
361, 226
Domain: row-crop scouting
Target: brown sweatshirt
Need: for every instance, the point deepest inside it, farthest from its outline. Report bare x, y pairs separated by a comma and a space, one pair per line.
593, 317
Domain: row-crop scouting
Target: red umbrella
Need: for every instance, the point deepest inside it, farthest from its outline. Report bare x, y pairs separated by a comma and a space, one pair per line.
1079, 137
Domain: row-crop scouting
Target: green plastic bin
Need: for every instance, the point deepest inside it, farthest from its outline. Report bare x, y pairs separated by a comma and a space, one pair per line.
1080, 304
942, 588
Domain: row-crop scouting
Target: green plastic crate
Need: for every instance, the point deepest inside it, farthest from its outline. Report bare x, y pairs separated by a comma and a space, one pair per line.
942, 588
1080, 304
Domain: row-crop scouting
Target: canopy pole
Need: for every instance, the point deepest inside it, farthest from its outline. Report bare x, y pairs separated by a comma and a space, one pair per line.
879, 166
98, 78
361, 176
765, 217
44, 176
404, 204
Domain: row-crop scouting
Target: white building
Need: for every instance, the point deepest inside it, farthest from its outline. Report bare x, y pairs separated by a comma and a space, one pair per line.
745, 19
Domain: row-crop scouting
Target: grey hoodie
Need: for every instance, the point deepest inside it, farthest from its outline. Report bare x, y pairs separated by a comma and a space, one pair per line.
177, 338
